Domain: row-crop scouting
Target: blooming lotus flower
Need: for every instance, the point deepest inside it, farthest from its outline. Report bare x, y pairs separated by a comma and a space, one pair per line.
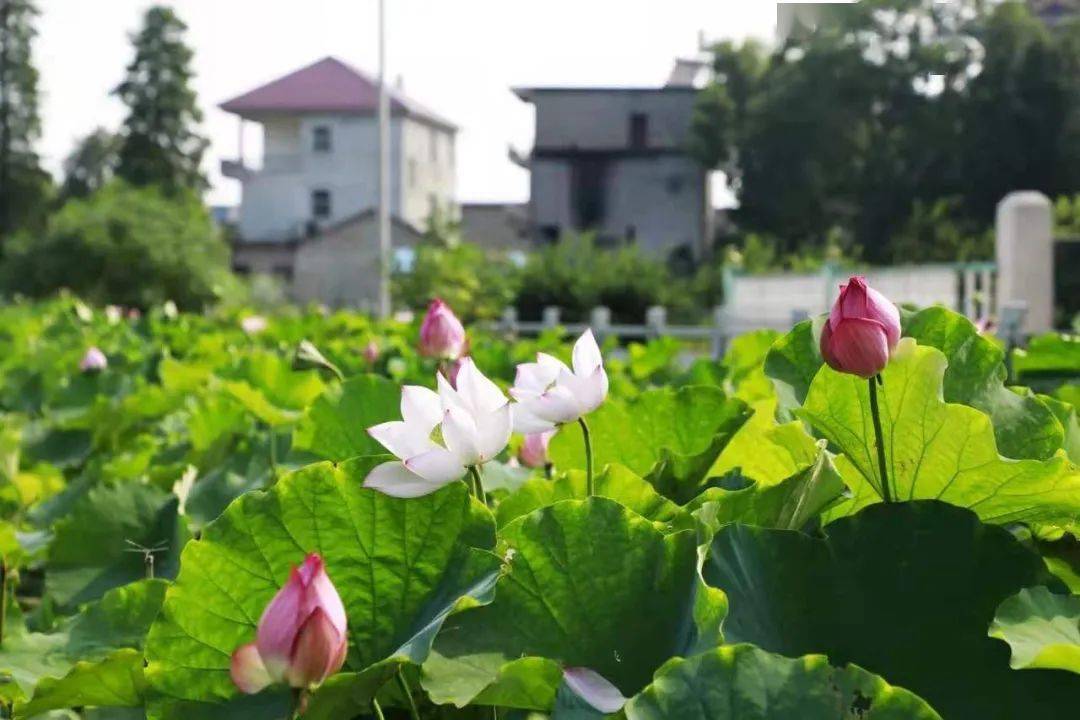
549, 393
301, 638
474, 422
534, 451
862, 330
253, 324
441, 333
93, 361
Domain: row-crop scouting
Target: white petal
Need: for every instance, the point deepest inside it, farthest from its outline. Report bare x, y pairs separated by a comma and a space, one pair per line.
420, 406
535, 377
586, 355
396, 480
449, 397
595, 689
493, 432
438, 465
402, 438
461, 436
589, 390
526, 422
476, 390
557, 405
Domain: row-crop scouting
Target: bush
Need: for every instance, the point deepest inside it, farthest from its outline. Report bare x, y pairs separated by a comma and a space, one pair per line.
477, 284
126, 246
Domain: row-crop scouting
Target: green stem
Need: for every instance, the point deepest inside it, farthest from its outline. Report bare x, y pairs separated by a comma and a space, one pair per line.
404, 685
3, 597
589, 489
378, 709
478, 483
886, 493
273, 453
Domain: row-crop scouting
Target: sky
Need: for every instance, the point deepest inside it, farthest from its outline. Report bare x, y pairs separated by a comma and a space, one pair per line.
459, 57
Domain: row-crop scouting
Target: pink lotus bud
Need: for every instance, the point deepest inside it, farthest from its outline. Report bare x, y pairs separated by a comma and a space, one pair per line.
371, 352
93, 361
441, 333
301, 639
862, 330
134, 314
534, 451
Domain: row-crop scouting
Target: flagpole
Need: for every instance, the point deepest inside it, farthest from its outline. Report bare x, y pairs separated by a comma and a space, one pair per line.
385, 245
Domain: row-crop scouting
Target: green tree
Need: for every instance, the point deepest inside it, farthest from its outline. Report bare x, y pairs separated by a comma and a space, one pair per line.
160, 143
90, 165
24, 185
124, 245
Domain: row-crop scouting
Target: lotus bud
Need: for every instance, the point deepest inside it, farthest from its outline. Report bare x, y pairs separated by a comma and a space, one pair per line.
93, 361
301, 638
534, 450
253, 324
862, 330
441, 333
371, 352
134, 314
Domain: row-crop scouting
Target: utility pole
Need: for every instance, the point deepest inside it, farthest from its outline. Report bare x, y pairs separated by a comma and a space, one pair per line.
385, 248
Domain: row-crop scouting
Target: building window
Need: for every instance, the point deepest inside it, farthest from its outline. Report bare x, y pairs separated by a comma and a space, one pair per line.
404, 259
320, 204
639, 130
549, 234
242, 269
320, 139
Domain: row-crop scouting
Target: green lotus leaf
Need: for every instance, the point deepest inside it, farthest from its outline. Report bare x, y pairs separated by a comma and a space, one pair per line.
904, 590
767, 451
1050, 354
400, 567
670, 437
742, 682
335, 426
115, 681
934, 449
272, 391
99, 545
591, 584
1042, 628
615, 482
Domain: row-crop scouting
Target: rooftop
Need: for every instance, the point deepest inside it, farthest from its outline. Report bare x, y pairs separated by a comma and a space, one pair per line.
327, 86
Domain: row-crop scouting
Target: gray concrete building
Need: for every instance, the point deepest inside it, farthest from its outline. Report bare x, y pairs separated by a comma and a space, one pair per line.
613, 161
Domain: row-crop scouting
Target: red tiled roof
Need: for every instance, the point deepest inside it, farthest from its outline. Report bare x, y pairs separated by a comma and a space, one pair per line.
330, 86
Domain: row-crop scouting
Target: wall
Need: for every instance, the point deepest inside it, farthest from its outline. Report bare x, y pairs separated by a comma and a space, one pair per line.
427, 172
600, 120
495, 226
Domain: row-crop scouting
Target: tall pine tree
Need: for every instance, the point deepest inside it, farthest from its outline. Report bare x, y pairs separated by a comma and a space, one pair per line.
160, 144
24, 185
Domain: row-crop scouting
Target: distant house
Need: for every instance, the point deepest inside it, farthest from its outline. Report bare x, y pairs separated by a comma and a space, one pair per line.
497, 226
319, 172
614, 161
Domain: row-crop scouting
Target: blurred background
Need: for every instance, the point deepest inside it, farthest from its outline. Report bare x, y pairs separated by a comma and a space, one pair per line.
621, 162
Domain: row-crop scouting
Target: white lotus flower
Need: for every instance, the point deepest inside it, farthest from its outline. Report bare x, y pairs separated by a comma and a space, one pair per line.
548, 393
475, 425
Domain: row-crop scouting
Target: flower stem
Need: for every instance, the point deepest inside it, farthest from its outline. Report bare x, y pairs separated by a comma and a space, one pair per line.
589, 489
3, 597
378, 709
404, 685
886, 493
478, 484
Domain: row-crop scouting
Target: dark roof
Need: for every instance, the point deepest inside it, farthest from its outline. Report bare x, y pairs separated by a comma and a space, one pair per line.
329, 86
366, 215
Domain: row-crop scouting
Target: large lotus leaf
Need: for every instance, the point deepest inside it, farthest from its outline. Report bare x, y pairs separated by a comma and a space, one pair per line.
93, 659
744, 360
399, 565
766, 451
671, 437
590, 584
615, 482
1023, 425
272, 391
1042, 628
904, 590
742, 682
789, 504
335, 426
1070, 423
937, 450
792, 363
99, 546
1051, 354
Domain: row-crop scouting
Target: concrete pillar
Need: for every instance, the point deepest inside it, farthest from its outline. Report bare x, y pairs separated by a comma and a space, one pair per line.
656, 320
550, 317
1025, 257
600, 322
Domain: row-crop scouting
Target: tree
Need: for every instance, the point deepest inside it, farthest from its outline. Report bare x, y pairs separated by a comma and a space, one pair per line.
159, 142
24, 185
123, 245
90, 165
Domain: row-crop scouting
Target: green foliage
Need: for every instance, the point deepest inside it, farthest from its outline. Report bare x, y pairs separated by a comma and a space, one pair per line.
123, 245
478, 284
160, 144
90, 165
1042, 628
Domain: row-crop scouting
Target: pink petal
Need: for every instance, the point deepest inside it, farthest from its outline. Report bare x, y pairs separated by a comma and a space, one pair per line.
878, 307
324, 596
317, 648
396, 480
279, 624
594, 689
247, 670
534, 449
859, 347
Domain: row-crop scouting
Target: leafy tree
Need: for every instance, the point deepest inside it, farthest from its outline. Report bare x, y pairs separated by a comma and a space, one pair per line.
24, 185
90, 165
123, 245
159, 141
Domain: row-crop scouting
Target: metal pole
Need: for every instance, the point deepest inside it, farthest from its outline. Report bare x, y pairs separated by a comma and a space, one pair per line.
385, 248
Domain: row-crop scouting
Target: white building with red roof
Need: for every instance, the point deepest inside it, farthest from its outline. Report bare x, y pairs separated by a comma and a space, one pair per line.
319, 168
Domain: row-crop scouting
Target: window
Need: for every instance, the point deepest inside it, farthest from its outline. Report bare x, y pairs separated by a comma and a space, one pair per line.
404, 259
320, 204
242, 269
639, 130
320, 139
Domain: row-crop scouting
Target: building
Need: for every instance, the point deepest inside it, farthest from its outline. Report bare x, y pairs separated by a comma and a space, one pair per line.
319, 170
497, 226
1053, 12
613, 161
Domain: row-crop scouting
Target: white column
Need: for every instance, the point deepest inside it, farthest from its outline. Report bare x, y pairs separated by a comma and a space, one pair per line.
1025, 257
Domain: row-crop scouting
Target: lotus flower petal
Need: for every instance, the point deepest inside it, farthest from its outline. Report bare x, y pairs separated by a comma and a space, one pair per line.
247, 670
396, 480
595, 689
